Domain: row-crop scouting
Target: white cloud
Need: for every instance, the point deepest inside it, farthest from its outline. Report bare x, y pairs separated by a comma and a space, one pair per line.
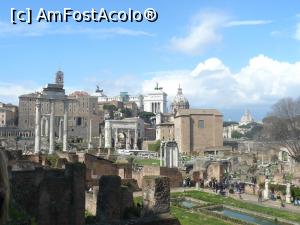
202, 33
247, 23
43, 29
211, 84
206, 30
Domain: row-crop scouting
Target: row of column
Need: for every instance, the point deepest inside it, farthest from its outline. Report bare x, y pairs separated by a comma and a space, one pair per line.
12, 133
38, 133
287, 195
155, 107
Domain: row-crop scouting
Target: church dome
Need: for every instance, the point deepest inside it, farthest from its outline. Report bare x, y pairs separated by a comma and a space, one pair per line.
180, 101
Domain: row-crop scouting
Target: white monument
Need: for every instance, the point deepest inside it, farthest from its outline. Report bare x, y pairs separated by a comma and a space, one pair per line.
169, 154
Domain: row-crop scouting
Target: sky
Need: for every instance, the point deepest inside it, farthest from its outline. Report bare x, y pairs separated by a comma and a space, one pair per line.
229, 55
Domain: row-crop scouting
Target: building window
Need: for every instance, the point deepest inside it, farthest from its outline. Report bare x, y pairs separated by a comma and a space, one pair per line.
201, 124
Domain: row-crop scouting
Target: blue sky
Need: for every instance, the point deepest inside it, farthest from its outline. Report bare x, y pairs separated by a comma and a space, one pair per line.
229, 55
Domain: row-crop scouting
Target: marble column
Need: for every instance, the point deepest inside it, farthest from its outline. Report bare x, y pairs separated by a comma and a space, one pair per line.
128, 140
107, 134
90, 135
135, 138
60, 130
161, 155
116, 137
288, 193
47, 127
266, 191
100, 140
37, 143
42, 127
65, 135
51, 135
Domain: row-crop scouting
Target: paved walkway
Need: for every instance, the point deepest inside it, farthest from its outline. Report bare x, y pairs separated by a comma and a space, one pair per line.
245, 197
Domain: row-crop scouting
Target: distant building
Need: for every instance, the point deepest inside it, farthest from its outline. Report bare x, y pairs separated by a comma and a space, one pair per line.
8, 115
81, 109
198, 129
155, 101
246, 118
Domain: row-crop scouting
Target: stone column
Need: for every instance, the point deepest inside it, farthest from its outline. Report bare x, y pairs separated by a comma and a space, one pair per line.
100, 141
116, 137
65, 136
51, 135
166, 161
90, 135
37, 143
128, 140
107, 134
288, 193
60, 130
42, 127
47, 127
135, 138
266, 191
171, 150
161, 155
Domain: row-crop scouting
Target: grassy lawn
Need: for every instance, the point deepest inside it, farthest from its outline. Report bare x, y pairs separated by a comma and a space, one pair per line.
240, 204
153, 162
188, 218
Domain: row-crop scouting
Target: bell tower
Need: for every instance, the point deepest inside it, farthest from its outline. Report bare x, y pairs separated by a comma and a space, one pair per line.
59, 78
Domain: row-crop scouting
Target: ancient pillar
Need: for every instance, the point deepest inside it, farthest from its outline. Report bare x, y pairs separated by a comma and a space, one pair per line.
100, 140
42, 127
116, 137
65, 136
47, 127
161, 154
37, 143
60, 130
266, 191
107, 134
51, 135
288, 193
166, 158
156, 195
135, 137
128, 140
90, 135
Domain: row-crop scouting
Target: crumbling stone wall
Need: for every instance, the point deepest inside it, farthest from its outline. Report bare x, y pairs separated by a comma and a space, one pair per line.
52, 196
173, 173
113, 200
156, 195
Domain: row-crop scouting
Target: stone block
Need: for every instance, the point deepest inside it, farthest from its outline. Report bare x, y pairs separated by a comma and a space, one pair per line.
109, 199
156, 195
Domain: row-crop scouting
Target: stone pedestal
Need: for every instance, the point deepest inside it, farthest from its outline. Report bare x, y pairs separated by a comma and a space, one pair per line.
156, 195
288, 193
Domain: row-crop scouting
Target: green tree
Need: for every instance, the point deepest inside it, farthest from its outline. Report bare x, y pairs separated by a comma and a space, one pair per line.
236, 134
146, 116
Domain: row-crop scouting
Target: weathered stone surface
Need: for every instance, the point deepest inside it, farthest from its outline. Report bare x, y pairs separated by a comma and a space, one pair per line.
52, 196
156, 195
109, 199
